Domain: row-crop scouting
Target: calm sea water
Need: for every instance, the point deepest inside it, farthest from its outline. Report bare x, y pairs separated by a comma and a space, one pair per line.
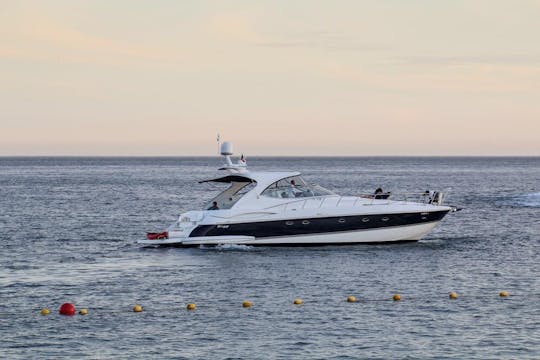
68, 227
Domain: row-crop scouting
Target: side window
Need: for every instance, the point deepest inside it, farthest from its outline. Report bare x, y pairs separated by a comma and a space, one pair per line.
227, 198
244, 190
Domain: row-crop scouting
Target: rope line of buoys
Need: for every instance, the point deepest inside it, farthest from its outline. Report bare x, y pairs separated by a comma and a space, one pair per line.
69, 309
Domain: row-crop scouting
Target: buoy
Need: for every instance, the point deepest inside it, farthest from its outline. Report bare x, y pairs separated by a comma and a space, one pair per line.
351, 298
396, 297
453, 295
190, 306
246, 304
83, 312
504, 293
137, 308
298, 301
67, 309
45, 311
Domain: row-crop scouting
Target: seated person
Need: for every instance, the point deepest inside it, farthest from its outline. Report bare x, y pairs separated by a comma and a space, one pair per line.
428, 196
294, 191
214, 206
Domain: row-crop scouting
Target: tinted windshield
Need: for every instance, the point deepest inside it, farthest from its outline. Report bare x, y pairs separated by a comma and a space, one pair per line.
294, 187
227, 198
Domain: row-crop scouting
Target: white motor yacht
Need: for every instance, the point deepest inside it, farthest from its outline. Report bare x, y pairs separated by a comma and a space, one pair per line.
280, 208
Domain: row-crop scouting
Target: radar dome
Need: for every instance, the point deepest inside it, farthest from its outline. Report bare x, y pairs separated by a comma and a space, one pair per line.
226, 148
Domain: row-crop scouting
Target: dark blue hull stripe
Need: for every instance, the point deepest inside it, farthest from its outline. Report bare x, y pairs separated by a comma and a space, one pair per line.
264, 229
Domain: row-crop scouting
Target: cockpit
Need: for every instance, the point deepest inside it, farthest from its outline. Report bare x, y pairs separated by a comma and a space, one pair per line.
294, 187
285, 188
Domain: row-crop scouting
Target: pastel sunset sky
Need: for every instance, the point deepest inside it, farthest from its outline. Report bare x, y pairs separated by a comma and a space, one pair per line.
305, 77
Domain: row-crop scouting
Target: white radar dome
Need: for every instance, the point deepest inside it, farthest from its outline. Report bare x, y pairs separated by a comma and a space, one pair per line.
226, 148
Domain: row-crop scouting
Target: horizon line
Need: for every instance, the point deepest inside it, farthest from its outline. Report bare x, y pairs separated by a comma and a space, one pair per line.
263, 156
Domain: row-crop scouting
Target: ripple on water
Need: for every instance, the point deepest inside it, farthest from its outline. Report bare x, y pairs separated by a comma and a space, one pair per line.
77, 245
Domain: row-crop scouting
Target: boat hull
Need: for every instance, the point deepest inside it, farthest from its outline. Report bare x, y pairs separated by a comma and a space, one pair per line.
365, 236
305, 226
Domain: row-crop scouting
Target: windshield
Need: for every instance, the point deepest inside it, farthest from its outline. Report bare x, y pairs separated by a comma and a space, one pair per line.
294, 187
227, 198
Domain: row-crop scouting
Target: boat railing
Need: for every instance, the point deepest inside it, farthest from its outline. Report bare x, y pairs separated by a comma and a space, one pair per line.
405, 197
428, 197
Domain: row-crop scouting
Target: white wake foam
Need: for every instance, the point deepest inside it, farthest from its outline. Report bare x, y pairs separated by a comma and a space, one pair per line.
228, 247
528, 200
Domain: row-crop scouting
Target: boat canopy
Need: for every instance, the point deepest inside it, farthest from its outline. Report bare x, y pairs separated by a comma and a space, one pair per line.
229, 179
262, 178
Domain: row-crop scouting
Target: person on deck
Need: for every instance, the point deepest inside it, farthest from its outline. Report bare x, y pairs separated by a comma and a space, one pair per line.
294, 191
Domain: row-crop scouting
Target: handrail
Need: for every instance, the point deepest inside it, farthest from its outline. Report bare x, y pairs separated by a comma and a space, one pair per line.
405, 197
413, 196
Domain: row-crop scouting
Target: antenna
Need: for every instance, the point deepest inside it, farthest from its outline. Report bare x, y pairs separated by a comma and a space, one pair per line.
218, 144
227, 151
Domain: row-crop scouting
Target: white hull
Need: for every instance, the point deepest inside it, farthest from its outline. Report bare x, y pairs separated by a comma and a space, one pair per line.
377, 235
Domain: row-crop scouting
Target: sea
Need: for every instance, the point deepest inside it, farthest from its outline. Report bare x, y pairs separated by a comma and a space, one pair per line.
68, 231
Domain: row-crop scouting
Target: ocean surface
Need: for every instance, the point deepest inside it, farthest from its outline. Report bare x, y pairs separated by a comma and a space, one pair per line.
68, 232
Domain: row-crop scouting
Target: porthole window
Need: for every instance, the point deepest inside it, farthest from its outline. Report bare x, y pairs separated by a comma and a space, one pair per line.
289, 223
305, 222
385, 219
365, 219
341, 221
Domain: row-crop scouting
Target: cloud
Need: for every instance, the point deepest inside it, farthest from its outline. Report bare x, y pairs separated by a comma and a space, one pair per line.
232, 25
322, 40
37, 36
496, 59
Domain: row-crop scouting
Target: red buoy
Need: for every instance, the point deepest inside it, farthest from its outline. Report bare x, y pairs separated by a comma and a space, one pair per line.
67, 309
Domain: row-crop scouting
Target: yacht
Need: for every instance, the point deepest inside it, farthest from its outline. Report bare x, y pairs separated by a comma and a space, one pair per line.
282, 209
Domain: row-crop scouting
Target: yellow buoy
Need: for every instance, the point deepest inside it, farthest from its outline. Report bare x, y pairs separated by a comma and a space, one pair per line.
137, 308
453, 295
298, 301
45, 311
351, 298
247, 304
190, 306
83, 312
504, 293
396, 297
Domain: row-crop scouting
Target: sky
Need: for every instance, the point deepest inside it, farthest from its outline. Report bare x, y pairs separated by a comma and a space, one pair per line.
304, 77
